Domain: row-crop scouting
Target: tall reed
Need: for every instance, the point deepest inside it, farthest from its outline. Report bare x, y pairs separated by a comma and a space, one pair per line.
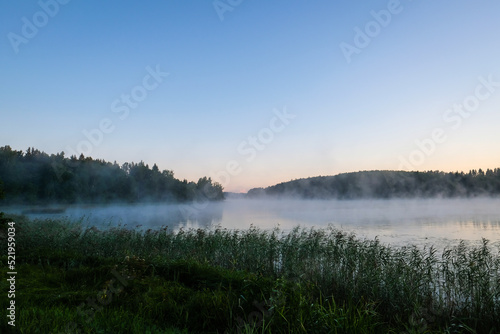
455, 285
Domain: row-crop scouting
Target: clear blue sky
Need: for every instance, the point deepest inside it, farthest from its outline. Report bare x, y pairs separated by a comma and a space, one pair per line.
379, 99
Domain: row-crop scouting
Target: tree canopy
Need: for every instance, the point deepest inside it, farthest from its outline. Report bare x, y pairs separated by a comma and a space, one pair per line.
35, 177
389, 184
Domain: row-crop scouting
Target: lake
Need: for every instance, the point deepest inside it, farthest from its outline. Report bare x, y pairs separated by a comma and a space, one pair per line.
399, 222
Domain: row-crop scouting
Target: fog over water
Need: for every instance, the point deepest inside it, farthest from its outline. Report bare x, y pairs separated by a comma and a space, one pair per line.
399, 222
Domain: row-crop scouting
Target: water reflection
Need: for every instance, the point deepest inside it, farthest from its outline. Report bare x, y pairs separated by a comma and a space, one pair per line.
134, 216
400, 222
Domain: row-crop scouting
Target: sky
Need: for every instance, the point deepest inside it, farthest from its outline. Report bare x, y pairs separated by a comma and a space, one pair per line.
253, 93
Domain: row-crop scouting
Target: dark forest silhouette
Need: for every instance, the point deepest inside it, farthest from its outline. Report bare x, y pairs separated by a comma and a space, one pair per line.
34, 177
389, 184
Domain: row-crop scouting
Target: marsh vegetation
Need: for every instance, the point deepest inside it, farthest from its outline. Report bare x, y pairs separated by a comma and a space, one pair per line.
252, 281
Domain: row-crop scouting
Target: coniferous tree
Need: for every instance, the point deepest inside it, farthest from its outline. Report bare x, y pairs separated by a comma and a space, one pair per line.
389, 184
35, 177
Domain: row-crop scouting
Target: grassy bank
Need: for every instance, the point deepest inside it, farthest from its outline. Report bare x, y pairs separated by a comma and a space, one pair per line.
196, 281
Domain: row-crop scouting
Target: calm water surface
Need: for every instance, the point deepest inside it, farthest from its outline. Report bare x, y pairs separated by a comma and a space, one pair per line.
438, 222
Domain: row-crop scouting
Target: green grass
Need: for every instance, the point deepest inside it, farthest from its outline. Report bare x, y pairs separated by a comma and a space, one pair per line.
250, 281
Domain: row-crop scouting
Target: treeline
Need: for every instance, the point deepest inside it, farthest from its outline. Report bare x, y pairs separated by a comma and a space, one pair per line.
35, 177
389, 184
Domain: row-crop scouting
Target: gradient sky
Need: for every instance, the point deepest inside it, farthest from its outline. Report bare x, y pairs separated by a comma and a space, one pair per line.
232, 69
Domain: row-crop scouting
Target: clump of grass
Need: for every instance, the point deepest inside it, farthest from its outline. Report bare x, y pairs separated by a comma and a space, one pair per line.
303, 280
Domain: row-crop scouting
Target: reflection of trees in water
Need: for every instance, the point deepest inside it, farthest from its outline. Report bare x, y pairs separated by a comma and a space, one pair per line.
199, 217
175, 217
145, 216
212, 216
481, 224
